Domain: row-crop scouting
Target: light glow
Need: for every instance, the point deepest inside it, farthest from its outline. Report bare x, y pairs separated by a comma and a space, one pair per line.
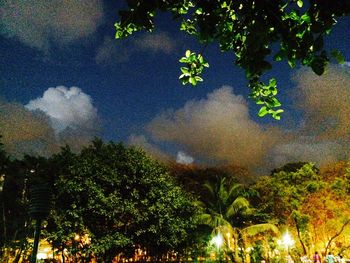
287, 240
218, 240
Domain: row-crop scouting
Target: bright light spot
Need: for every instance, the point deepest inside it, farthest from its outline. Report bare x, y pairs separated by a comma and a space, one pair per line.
287, 240
218, 240
41, 255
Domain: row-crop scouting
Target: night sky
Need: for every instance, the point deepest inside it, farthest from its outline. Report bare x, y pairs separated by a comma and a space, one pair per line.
64, 79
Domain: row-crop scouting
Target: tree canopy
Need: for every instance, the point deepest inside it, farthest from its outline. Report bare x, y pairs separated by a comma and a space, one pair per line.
110, 200
258, 32
120, 198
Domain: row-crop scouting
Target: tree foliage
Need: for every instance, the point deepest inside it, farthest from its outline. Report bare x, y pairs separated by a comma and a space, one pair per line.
110, 199
121, 198
314, 203
257, 32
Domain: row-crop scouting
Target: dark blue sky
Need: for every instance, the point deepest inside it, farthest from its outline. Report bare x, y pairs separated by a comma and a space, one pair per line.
130, 82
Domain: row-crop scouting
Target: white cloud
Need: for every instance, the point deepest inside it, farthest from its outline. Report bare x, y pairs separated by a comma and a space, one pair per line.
30, 132
184, 158
157, 42
217, 128
113, 51
109, 51
39, 23
67, 108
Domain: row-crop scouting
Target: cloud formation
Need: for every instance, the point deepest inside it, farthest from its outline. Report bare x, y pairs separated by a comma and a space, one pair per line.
308, 149
219, 129
324, 135
156, 42
26, 132
325, 100
39, 23
66, 107
216, 128
183, 158
61, 116
112, 50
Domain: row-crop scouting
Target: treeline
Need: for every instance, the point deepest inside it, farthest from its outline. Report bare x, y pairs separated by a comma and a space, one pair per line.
110, 202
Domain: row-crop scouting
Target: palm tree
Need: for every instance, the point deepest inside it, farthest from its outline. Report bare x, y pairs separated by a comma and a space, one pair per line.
227, 210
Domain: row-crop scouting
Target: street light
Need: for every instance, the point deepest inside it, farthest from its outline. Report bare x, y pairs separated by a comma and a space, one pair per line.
218, 240
287, 242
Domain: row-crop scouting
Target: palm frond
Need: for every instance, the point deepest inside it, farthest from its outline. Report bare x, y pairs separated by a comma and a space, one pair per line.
210, 189
235, 190
239, 204
259, 228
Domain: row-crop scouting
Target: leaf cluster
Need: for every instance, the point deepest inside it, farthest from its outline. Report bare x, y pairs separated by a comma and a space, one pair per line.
249, 29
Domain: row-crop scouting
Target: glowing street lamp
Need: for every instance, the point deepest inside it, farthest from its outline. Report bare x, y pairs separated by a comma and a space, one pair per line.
218, 240
287, 242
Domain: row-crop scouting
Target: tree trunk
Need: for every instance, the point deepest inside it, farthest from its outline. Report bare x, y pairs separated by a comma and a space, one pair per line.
336, 235
299, 236
63, 258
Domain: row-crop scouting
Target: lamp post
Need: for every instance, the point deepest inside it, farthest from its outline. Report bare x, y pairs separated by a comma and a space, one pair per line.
39, 209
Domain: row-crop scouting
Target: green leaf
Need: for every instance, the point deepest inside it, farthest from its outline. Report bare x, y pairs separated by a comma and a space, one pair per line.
338, 56
277, 114
183, 60
263, 111
291, 63
277, 57
199, 11
300, 3
188, 53
184, 70
306, 18
193, 81
272, 82
198, 78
